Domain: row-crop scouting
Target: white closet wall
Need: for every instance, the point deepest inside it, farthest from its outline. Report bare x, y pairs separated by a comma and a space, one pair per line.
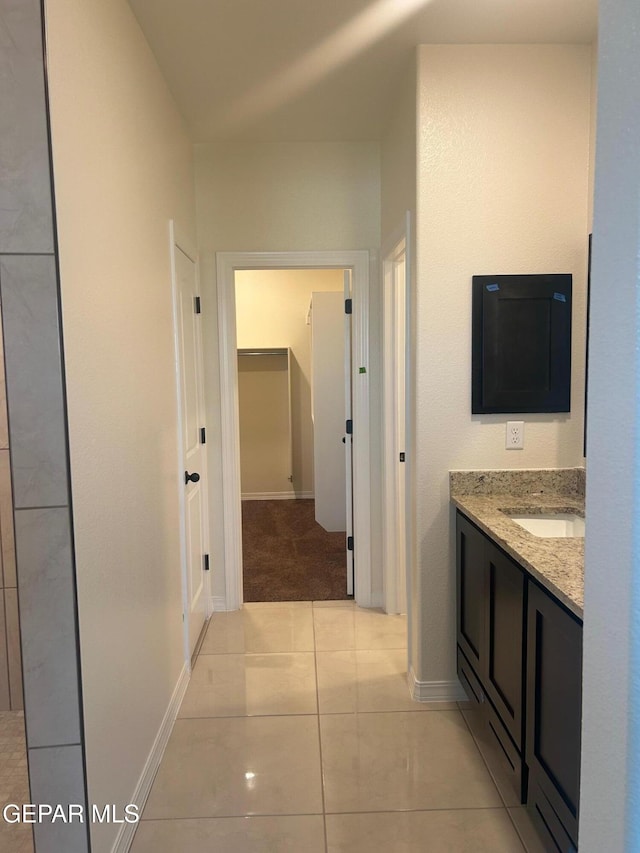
264, 397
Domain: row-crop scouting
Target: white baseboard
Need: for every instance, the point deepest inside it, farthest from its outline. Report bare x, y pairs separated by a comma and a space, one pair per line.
139, 798
435, 691
217, 604
276, 496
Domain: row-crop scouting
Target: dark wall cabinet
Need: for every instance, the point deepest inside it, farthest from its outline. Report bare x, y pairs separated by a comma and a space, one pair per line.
521, 343
520, 661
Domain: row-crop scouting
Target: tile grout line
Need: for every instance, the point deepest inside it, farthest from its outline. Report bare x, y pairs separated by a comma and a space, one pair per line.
517, 831
310, 714
317, 814
489, 771
315, 667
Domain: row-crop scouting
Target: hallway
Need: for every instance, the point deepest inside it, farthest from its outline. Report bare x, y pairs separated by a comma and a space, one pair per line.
297, 733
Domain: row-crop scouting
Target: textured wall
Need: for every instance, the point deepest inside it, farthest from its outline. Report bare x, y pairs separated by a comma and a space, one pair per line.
398, 155
123, 169
399, 196
503, 165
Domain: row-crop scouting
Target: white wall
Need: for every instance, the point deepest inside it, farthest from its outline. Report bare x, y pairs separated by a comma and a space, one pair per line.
609, 796
593, 130
271, 311
503, 165
264, 400
398, 155
289, 196
399, 195
286, 196
123, 168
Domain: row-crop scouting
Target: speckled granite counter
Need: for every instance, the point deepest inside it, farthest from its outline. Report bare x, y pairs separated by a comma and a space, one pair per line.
488, 497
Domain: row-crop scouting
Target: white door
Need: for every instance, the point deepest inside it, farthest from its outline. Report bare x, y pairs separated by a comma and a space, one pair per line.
327, 371
192, 440
399, 272
395, 339
348, 438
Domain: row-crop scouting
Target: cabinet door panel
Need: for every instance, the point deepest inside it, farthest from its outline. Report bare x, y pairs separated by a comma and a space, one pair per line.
554, 706
471, 585
505, 640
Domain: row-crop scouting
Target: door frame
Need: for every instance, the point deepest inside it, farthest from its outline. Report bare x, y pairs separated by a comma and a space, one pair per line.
226, 265
178, 241
398, 245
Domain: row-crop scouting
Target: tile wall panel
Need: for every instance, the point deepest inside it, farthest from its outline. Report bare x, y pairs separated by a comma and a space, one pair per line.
28, 290
5, 696
25, 187
57, 776
47, 616
4, 426
7, 538
14, 655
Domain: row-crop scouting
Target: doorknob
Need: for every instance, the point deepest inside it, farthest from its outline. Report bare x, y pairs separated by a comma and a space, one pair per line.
193, 477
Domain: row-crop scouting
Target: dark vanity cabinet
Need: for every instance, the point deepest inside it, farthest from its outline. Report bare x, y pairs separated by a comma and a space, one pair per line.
520, 661
554, 716
472, 592
491, 642
505, 639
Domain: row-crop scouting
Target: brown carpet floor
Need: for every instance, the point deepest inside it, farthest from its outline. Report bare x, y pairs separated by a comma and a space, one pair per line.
288, 556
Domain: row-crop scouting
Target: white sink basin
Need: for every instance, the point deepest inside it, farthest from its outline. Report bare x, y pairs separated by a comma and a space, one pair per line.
551, 526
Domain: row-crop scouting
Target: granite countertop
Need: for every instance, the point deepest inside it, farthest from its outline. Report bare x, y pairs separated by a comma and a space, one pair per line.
488, 497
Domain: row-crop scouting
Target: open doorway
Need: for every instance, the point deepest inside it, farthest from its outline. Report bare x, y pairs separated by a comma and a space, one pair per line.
290, 336
229, 265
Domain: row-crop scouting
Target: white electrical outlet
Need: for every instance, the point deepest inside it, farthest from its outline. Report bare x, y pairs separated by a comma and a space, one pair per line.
515, 435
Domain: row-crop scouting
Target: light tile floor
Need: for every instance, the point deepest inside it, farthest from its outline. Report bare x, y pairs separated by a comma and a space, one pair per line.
297, 733
14, 781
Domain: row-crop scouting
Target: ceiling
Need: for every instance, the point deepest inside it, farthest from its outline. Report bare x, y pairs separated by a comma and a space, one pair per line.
321, 70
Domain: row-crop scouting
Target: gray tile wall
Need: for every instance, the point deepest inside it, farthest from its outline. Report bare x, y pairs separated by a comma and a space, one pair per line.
44, 562
10, 656
25, 187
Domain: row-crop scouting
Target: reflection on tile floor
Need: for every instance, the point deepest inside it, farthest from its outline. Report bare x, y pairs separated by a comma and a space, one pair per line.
14, 781
297, 732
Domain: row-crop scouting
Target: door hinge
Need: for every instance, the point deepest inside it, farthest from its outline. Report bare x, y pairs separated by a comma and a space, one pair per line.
206, 562
348, 306
402, 457
349, 543
349, 427
197, 305
203, 435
